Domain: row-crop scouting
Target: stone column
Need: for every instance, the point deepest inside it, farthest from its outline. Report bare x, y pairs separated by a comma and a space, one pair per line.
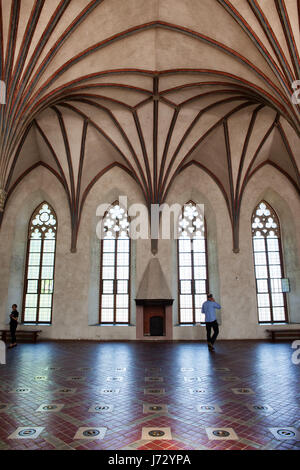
3, 196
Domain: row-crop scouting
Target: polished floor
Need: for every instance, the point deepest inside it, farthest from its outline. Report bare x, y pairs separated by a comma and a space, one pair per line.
162, 396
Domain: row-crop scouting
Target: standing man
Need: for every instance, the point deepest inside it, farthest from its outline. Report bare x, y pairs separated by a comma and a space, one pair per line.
208, 308
13, 325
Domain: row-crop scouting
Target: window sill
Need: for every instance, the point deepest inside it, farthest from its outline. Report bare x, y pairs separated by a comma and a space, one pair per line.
189, 324
112, 324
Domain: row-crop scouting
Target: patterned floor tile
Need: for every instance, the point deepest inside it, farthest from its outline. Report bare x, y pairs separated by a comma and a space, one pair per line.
258, 408
90, 434
275, 384
197, 391
101, 408
156, 433
50, 408
230, 379
66, 391
243, 391
110, 391
285, 433
20, 391
154, 408
26, 433
221, 434
154, 391
209, 409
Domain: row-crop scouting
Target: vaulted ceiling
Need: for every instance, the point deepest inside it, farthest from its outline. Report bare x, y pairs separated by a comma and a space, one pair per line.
150, 86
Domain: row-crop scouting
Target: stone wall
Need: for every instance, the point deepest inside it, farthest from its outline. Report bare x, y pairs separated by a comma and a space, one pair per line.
76, 297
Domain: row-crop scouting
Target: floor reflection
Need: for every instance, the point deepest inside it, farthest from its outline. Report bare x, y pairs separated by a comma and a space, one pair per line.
105, 402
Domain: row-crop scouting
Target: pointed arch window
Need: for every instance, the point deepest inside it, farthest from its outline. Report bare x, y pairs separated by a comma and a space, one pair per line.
115, 267
192, 264
268, 262
40, 265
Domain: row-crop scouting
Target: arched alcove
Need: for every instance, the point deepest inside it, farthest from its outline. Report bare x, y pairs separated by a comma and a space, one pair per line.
19, 244
105, 192
195, 185
290, 247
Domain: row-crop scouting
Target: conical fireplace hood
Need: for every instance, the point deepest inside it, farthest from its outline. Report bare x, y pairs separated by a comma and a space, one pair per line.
154, 285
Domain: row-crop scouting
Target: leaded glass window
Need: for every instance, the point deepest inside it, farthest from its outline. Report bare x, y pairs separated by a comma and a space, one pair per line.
39, 276
192, 264
115, 267
271, 301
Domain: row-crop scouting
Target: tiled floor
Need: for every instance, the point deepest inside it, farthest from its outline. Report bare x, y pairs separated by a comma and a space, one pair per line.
204, 410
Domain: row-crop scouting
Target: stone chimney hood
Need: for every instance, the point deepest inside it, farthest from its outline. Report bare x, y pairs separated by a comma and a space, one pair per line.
154, 287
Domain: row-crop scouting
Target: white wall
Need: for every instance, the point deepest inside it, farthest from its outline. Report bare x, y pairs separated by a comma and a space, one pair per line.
76, 297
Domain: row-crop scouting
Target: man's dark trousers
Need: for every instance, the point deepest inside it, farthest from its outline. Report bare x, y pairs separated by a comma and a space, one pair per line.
13, 327
212, 325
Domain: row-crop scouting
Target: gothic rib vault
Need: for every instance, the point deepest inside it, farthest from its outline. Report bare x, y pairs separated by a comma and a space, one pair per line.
151, 87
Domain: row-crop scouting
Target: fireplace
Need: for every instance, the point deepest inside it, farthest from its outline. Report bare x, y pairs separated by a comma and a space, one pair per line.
154, 319
154, 314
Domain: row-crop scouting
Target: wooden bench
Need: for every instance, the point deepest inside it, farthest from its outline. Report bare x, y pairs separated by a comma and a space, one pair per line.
284, 334
21, 334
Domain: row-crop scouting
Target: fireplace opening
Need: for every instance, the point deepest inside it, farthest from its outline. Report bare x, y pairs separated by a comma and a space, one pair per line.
156, 326
154, 320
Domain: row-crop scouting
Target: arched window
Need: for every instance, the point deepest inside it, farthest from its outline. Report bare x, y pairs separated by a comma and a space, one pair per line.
115, 267
39, 276
272, 306
192, 264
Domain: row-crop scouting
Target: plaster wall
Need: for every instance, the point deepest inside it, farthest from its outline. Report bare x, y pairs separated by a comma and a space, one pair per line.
76, 297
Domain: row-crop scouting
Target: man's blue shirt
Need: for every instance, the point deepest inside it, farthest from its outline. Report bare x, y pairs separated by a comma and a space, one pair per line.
209, 309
